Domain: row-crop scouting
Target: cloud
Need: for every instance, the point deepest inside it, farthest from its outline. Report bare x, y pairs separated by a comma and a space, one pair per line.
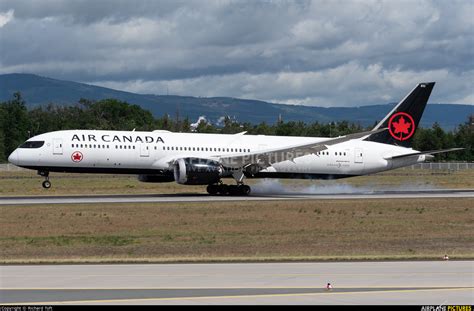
350, 84
303, 52
5, 17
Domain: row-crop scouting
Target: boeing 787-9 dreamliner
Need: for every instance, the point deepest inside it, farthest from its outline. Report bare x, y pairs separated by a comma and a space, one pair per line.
205, 159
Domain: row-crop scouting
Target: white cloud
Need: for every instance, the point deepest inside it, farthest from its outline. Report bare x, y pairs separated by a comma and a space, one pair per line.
5, 17
350, 84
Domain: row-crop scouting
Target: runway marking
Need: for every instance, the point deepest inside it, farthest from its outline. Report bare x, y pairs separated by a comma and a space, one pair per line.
173, 198
240, 274
221, 288
235, 296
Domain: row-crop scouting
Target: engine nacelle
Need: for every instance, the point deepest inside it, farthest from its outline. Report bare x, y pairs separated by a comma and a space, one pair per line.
196, 171
156, 178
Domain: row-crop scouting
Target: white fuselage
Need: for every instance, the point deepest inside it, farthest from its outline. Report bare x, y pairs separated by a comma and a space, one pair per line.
149, 152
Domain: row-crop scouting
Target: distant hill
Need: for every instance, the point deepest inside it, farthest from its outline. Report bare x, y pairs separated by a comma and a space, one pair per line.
37, 90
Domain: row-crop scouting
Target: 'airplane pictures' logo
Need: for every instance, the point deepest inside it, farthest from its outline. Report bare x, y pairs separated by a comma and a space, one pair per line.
77, 156
401, 126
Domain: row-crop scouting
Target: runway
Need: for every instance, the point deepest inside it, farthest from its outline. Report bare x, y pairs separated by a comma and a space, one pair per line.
400, 283
162, 198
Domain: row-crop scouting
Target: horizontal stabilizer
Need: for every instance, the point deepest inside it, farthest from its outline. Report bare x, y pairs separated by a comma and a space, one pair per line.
431, 152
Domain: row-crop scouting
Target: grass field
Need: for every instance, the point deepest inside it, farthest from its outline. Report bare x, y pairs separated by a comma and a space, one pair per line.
234, 231
311, 230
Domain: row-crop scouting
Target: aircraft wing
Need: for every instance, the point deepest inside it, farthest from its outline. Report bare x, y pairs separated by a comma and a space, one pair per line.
265, 158
430, 152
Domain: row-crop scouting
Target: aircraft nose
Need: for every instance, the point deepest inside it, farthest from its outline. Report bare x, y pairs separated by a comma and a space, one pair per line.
13, 158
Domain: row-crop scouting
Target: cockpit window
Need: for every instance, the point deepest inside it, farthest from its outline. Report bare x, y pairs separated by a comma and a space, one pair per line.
32, 144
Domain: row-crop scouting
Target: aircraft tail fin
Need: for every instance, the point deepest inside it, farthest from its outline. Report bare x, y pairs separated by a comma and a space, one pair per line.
404, 119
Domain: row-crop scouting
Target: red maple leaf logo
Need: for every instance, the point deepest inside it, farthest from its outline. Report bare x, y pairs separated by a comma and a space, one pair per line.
76, 156
403, 126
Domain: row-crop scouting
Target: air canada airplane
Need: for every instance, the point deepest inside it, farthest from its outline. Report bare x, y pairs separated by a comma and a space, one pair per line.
205, 159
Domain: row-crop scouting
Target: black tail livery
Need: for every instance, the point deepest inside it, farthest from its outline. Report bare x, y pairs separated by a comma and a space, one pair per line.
404, 119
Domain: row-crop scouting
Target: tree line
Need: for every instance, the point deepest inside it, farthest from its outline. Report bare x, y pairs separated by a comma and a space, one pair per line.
17, 124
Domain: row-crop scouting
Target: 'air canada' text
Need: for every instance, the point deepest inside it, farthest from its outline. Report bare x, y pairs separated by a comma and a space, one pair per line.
118, 138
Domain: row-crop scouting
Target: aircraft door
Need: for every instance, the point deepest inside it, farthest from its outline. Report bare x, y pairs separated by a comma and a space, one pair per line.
144, 150
57, 146
358, 155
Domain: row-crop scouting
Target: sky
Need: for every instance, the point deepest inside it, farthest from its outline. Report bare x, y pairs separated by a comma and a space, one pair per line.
318, 53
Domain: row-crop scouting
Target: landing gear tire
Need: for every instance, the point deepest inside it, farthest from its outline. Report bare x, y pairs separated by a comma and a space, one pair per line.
244, 190
234, 190
223, 189
212, 189
46, 184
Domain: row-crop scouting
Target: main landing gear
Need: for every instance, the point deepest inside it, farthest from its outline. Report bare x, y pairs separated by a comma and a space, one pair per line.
223, 189
46, 183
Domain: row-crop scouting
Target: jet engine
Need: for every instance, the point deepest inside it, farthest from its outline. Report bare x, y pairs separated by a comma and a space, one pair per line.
196, 171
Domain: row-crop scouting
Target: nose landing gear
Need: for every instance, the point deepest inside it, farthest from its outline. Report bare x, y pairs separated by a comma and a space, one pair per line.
46, 184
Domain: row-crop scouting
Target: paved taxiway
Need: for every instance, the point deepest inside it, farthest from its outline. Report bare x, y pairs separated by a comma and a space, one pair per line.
419, 283
160, 198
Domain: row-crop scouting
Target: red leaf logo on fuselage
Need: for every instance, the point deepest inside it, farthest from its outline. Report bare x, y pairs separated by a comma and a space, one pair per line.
77, 156
401, 126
